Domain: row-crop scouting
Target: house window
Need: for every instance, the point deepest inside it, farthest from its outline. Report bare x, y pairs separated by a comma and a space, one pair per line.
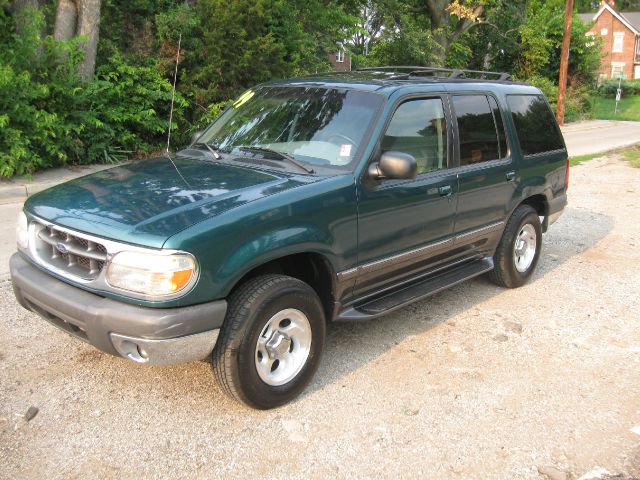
618, 41
340, 56
590, 41
604, 32
617, 70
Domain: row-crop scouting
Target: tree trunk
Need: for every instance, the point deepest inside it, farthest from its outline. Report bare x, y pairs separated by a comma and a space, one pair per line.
66, 18
89, 26
441, 51
17, 6
445, 34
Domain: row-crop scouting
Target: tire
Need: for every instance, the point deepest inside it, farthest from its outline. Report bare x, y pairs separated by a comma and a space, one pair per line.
514, 264
271, 342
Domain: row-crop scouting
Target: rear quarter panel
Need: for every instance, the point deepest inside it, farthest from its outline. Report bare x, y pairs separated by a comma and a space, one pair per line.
540, 174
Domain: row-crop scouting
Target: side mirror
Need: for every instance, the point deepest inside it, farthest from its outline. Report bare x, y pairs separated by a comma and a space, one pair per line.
196, 136
394, 165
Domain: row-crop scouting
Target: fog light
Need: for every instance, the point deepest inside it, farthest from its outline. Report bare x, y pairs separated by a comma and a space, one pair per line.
129, 349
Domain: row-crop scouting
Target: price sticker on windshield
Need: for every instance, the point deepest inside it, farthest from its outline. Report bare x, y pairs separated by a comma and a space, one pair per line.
345, 150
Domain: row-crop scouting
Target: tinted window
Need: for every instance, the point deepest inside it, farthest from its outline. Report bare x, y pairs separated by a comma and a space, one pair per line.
497, 116
535, 124
476, 129
418, 127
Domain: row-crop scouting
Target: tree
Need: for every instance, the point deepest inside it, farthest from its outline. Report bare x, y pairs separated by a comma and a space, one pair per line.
406, 41
440, 24
495, 44
66, 20
628, 5
450, 20
89, 27
541, 38
81, 18
369, 27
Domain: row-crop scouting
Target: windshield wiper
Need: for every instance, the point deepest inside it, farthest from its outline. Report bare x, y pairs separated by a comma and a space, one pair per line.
213, 151
281, 155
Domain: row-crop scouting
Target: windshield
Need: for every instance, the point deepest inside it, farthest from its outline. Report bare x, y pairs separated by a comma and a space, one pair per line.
318, 126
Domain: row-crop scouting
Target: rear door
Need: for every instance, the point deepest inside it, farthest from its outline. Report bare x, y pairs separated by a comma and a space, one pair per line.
486, 172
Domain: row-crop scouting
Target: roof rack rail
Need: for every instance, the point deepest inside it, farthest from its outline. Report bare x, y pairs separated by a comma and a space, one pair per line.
407, 72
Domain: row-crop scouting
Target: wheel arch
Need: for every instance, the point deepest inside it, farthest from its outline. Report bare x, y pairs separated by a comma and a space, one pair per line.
540, 204
312, 268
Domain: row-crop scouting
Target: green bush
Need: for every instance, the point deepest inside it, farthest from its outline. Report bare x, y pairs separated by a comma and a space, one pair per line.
27, 131
549, 88
610, 87
578, 104
49, 118
125, 109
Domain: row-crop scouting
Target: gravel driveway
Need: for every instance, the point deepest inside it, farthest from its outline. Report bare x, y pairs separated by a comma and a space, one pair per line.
476, 382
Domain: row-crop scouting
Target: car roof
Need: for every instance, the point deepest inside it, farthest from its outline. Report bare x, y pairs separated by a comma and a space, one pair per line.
387, 81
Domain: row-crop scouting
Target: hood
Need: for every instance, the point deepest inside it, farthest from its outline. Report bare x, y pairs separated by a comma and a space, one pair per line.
147, 202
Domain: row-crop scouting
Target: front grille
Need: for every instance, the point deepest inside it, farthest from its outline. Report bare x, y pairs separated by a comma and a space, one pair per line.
68, 252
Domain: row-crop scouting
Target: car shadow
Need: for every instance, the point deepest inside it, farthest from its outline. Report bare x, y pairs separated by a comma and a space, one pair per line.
351, 345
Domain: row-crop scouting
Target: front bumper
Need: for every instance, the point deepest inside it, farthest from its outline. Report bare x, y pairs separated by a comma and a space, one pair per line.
160, 336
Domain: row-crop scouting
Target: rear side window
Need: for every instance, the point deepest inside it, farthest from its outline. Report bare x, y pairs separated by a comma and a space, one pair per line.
477, 130
535, 124
497, 116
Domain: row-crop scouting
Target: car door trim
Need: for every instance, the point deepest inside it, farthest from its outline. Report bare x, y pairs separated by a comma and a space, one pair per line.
417, 254
471, 235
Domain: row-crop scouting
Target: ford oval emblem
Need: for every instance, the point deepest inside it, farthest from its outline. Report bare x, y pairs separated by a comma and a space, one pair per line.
62, 248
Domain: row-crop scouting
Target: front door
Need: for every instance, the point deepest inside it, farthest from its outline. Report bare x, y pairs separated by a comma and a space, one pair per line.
405, 226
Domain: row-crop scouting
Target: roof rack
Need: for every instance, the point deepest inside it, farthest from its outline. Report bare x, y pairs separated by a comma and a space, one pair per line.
407, 72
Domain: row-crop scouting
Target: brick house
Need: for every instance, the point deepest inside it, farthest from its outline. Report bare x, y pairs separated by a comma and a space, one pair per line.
620, 33
340, 61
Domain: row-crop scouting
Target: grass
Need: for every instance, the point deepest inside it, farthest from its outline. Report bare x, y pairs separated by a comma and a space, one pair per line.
573, 161
632, 154
603, 108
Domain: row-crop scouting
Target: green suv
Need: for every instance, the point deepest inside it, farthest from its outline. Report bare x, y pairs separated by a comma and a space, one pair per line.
308, 201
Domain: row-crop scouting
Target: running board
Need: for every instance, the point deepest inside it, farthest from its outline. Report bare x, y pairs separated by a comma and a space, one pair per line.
416, 291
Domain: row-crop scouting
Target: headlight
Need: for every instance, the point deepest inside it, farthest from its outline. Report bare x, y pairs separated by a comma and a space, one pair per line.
22, 231
153, 275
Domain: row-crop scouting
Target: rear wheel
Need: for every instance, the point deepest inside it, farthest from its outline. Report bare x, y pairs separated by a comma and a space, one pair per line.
271, 341
519, 249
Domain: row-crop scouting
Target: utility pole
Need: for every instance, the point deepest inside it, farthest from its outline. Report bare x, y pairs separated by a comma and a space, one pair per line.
564, 61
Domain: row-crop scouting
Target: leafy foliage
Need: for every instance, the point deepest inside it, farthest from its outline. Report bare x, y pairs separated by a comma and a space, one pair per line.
50, 118
410, 43
628, 87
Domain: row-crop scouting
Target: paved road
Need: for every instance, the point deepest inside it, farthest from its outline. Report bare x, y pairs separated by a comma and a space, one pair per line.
476, 382
596, 136
8, 216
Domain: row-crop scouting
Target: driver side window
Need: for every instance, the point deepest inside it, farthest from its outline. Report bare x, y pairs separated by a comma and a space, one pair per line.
419, 128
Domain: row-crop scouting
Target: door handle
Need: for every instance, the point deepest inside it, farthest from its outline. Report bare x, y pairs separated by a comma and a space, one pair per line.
511, 176
445, 191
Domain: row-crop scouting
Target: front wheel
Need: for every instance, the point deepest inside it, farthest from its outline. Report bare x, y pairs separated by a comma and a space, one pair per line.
519, 249
271, 342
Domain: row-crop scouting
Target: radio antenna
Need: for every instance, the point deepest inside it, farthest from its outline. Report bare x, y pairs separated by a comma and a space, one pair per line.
173, 97
173, 94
